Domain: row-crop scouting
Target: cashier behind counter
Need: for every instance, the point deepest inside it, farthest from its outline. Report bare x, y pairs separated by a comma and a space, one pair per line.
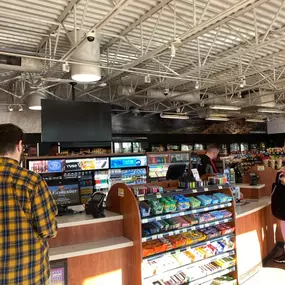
207, 165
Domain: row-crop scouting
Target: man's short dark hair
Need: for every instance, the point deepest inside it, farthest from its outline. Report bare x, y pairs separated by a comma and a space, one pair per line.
10, 135
212, 146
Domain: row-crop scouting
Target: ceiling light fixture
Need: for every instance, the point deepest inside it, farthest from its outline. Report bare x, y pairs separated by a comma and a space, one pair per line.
34, 100
174, 116
173, 50
217, 119
21, 108
225, 107
65, 67
268, 110
197, 86
147, 79
103, 84
255, 120
242, 82
10, 108
239, 95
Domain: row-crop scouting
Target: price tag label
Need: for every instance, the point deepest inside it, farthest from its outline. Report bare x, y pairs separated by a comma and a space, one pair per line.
182, 213
194, 211
194, 190
160, 236
206, 189
154, 237
158, 218
216, 207
145, 220
168, 216
177, 232
220, 187
206, 209
208, 242
158, 195
143, 239
141, 198
207, 225
184, 230
170, 233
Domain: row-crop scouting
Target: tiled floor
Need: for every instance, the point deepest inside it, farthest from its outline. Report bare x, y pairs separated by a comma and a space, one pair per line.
271, 274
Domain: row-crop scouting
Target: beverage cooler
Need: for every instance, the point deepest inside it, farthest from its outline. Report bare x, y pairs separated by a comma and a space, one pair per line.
131, 170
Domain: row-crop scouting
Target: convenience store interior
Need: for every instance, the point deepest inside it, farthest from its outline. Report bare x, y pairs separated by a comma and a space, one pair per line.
112, 94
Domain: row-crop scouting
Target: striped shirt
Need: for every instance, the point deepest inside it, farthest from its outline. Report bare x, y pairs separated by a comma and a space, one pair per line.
27, 218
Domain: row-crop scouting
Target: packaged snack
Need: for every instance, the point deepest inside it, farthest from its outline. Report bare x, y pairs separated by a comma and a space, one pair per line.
214, 199
153, 247
182, 258
225, 229
217, 215
222, 197
205, 218
192, 219
139, 190
225, 213
177, 240
225, 262
156, 206
224, 280
144, 209
205, 200
194, 203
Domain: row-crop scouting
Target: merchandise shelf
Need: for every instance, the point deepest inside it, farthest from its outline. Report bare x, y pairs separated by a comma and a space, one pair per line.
194, 245
186, 229
203, 190
205, 261
186, 212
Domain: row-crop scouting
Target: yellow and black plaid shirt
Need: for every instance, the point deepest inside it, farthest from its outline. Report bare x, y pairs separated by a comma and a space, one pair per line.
27, 218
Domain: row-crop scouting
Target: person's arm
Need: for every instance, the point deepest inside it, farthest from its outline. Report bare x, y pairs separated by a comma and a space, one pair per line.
44, 210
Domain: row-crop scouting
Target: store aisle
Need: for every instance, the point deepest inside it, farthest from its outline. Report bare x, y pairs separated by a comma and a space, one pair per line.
272, 273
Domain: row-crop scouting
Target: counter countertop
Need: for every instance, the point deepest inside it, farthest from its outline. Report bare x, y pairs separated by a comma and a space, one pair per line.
243, 185
252, 206
83, 219
69, 251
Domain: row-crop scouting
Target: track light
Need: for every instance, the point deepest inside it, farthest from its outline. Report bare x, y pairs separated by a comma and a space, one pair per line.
10, 108
21, 108
202, 103
239, 95
197, 86
173, 50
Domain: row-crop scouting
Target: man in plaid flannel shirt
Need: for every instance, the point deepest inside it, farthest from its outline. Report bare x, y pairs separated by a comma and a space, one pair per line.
27, 216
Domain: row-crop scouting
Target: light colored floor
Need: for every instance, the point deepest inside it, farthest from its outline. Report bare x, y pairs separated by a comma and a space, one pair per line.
272, 274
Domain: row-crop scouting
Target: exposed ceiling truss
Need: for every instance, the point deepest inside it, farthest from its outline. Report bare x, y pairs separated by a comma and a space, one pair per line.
216, 45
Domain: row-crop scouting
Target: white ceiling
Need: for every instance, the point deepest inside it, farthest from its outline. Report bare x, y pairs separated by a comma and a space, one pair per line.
221, 42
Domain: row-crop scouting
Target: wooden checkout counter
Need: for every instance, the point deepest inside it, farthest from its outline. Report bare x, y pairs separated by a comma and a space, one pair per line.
108, 250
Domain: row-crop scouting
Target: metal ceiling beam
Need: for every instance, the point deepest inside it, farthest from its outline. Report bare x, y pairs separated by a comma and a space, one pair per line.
222, 18
136, 23
60, 19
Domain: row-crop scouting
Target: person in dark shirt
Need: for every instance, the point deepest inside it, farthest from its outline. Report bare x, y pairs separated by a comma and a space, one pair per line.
207, 165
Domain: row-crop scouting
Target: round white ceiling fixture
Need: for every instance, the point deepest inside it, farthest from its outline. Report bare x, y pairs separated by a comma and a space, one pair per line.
34, 100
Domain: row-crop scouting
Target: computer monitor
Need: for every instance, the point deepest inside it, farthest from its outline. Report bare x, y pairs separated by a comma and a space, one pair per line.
175, 171
66, 192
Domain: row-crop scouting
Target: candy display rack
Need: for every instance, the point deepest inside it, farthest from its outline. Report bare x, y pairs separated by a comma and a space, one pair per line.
163, 265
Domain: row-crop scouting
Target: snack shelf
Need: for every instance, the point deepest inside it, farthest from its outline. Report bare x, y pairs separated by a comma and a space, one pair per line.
205, 189
187, 212
186, 229
212, 276
194, 245
205, 261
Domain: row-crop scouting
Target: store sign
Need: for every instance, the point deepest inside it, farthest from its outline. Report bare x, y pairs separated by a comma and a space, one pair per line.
54, 165
46, 166
128, 161
87, 164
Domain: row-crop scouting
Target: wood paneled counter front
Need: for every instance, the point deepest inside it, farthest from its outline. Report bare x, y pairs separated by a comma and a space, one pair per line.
96, 250
256, 235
